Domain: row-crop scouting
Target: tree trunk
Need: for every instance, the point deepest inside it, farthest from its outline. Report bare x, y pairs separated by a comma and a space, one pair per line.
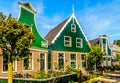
10, 69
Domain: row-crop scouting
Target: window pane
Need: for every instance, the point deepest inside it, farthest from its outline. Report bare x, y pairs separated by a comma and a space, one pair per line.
67, 41
73, 57
28, 62
103, 58
104, 47
108, 59
67, 38
83, 64
78, 42
78, 45
83, 56
73, 60
42, 61
73, 64
73, 28
61, 60
5, 64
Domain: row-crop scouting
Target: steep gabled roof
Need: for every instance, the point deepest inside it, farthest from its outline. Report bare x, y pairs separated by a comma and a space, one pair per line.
27, 16
94, 42
28, 6
52, 33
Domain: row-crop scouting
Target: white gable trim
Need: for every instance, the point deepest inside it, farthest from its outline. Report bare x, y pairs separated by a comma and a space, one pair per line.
81, 30
61, 30
38, 31
27, 8
72, 16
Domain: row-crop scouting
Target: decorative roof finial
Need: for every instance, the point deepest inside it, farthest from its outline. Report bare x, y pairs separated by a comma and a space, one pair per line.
72, 9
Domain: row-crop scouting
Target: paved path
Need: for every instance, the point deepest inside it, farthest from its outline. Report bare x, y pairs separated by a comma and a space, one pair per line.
111, 78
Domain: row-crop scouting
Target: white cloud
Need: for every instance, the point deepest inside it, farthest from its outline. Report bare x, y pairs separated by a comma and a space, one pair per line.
44, 22
39, 6
47, 23
100, 18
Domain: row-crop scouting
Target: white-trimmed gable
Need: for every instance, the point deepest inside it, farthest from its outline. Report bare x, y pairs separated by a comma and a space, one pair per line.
72, 16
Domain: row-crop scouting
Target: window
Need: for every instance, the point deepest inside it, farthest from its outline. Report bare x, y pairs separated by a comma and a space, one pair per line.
83, 64
5, 64
73, 60
67, 41
44, 44
42, 61
104, 47
79, 42
83, 59
28, 62
83, 56
104, 59
61, 60
73, 28
108, 58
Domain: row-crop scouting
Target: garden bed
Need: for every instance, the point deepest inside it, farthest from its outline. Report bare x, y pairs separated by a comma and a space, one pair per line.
59, 79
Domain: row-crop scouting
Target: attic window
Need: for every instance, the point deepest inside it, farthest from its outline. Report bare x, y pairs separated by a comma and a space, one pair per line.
44, 44
73, 28
79, 42
67, 41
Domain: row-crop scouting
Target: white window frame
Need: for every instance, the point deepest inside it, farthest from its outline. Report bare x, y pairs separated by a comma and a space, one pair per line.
7, 71
79, 43
83, 60
63, 56
32, 63
44, 44
70, 42
73, 29
75, 56
45, 60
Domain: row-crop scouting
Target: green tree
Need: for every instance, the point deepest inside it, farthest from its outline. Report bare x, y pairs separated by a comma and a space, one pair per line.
118, 57
118, 42
15, 40
94, 56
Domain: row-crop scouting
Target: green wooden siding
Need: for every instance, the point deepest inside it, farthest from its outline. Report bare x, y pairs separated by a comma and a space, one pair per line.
59, 42
27, 18
108, 48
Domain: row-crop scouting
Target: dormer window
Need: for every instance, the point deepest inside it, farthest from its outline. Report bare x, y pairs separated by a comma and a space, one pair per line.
73, 28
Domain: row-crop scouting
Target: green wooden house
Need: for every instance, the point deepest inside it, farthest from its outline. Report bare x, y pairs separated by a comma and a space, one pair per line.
37, 59
39, 47
68, 45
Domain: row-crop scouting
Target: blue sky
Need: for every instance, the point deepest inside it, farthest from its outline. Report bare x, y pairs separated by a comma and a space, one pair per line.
96, 16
